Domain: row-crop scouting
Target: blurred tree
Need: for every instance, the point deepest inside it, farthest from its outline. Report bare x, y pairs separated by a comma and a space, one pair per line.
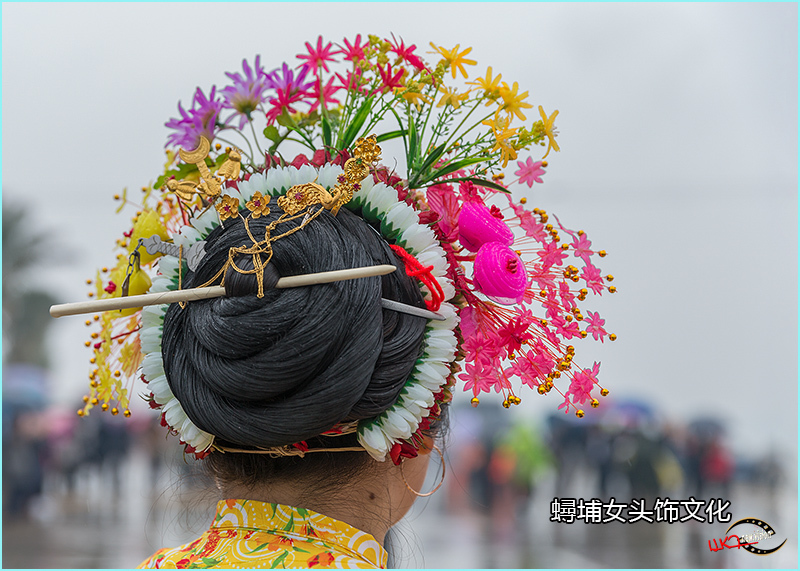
25, 307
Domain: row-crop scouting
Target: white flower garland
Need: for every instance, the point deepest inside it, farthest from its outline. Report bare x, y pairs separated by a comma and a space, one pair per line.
398, 222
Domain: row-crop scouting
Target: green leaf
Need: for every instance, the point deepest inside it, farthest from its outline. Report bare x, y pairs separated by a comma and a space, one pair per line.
259, 548
356, 124
279, 560
210, 561
486, 183
271, 132
431, 159
390, 135
285, 120
326, 131
412, 143
180, 173
452, 167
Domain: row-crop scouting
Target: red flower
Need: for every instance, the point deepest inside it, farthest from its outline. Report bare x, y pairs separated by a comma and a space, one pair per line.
406, 53
326, 96
317, 57
323, 559
402, 450
283, 102
353, 52
390, 81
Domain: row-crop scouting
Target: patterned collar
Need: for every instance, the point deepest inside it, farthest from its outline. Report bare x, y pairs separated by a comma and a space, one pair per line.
299, 524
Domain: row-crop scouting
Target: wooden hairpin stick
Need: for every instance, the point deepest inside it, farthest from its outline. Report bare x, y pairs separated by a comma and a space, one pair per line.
195, 294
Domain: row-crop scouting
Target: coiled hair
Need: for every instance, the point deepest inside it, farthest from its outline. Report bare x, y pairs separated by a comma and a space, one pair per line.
276, 370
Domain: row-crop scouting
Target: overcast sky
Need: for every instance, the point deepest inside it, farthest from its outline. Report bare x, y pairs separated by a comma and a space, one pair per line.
678, 130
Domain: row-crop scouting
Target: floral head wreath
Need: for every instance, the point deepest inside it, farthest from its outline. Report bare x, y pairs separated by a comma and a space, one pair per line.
484, 261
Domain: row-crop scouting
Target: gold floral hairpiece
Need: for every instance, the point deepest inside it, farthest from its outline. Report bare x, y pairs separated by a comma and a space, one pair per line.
296, 203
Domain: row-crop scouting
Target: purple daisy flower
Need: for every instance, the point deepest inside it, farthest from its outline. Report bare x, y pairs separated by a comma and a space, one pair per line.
287, 83
201, 119
246, 93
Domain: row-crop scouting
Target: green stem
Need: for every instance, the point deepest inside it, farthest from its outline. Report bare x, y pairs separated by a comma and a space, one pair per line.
255, 138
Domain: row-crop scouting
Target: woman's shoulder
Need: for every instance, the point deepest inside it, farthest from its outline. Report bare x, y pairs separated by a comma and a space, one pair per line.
251, 534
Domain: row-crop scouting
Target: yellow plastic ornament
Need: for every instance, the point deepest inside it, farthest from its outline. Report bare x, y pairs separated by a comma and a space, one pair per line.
148, 224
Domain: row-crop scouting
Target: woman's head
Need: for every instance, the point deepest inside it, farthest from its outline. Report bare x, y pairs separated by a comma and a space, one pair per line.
281, 369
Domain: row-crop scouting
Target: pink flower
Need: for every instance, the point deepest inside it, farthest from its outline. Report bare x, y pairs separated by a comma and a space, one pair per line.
319, 56
499, 273
567, 297
581, 388
406, 53
595, 326
477, 226
326, 97
532, 367
552, 254
591, 276
283, 102
354, 81
478, 348
515, 333
390, 81
582, 247
353, 52
534, 229
480, 377
444, 202
468, 322
530, 172
567, 329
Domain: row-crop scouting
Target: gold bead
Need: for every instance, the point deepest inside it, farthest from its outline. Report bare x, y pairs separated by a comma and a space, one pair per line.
117, 373
117, 197
218, 146
87, 343
584, 334
542, 389
506, 404
543, 322
80, 412
94, 384
549, 384
91, 294
595, 403
523, 200
127, 413
579, 413
92, 360
89, 282
105, 269
602, 253
612, 289
512, 356
474, 402
549, 227
584, 291
536, 211
518, 252
581, 232
613, 336
518, 400
568, 317
94, 402
85, 399
571, 349
95, 335
565, 246
544, 164
104, 407
543, 293
115, 411
604, 392
96, 318
609, 278
88, 322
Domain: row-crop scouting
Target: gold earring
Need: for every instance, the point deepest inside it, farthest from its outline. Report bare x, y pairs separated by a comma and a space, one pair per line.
439, 485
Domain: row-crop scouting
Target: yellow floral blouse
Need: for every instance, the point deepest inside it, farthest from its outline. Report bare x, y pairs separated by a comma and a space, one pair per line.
251, 534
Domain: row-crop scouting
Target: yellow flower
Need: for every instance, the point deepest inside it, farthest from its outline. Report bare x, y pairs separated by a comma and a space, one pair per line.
258, 205
548, 130
501, 134
414, 97
228, 207
456, 60
490, 86
512, 102
450, 97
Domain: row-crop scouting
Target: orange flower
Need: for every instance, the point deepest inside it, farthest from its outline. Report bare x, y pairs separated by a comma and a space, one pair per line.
322, 559
456, 60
